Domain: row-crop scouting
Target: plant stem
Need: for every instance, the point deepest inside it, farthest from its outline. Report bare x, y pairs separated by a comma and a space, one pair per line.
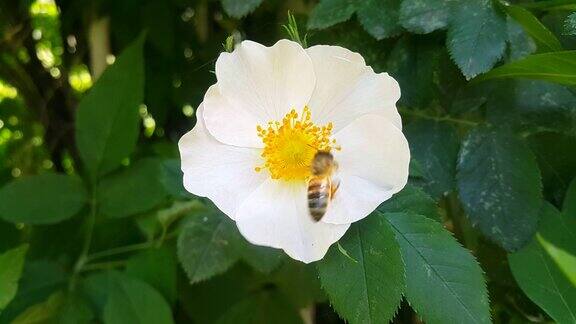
418, 114
90, 222
104, 265
120, 250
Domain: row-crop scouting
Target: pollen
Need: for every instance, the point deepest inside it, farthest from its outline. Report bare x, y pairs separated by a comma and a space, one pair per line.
290, 145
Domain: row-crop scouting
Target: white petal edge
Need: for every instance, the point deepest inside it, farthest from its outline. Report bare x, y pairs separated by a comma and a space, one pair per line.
346, 88
263, 84
221, 172
373, 165
276, 215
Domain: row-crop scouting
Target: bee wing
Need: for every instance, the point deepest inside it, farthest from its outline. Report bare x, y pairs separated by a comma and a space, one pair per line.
335, 184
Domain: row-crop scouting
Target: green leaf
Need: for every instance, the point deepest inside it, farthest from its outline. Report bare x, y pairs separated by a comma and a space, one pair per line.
107, 118
546, 41
59, 308
425, 16
411, 200
133, 301
435, 146
132, 191
519, 42
412, 63
370, 290
330, 12
570, 25
299, 282
42, 199
208, 245
11, 265
240, 8
380, 17
157, 267
551, 5
265, 307
172, 177
476, 37
444, 283
559, 67
569, 206
537, 273
499, 185
263, 259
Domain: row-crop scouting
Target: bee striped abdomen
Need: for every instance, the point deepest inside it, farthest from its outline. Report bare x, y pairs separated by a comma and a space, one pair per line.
318, 197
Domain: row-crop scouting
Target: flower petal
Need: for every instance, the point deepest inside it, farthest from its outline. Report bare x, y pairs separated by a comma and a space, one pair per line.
346, 88
373, 165
276, 215
263, 84
221, 172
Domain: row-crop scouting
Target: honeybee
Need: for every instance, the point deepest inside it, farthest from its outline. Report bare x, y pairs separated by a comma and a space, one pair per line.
321, 187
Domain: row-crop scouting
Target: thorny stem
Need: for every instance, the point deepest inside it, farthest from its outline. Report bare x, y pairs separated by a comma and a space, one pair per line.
418, 114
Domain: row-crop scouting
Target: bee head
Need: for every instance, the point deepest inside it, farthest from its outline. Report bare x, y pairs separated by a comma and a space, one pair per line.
323, 162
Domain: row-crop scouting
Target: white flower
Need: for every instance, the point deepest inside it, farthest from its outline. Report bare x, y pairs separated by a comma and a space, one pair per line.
260, 125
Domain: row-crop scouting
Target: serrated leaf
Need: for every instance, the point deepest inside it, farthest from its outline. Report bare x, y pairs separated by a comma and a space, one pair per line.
380, 17
107, 117
476, 38
42, 199
425, 16
208, 245
135, 190
240, 8
158, 268
264, 307
537, 273
330, 12
11, 265
559, 67
444, 283
369, 290
435, 146
499, 185
411, 200
133, 301
546, 41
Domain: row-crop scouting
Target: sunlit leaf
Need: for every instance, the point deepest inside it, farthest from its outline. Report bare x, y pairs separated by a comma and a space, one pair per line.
11, 265
107, 117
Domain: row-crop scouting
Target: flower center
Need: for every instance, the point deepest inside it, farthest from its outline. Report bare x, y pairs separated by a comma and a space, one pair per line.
290, 145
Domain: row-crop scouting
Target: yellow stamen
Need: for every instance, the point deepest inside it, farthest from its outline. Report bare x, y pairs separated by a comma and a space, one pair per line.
290, 145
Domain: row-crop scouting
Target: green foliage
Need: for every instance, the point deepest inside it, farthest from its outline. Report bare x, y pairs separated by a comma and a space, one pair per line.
559, 67
137, 189
539, 276
546, 41
435, 146
114, 237
499, 185
107, 118
133, 301
260, 309
11, 265
425, 16
454, 287
208, 245
476, 41
367, 290
42, 199
239, 9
